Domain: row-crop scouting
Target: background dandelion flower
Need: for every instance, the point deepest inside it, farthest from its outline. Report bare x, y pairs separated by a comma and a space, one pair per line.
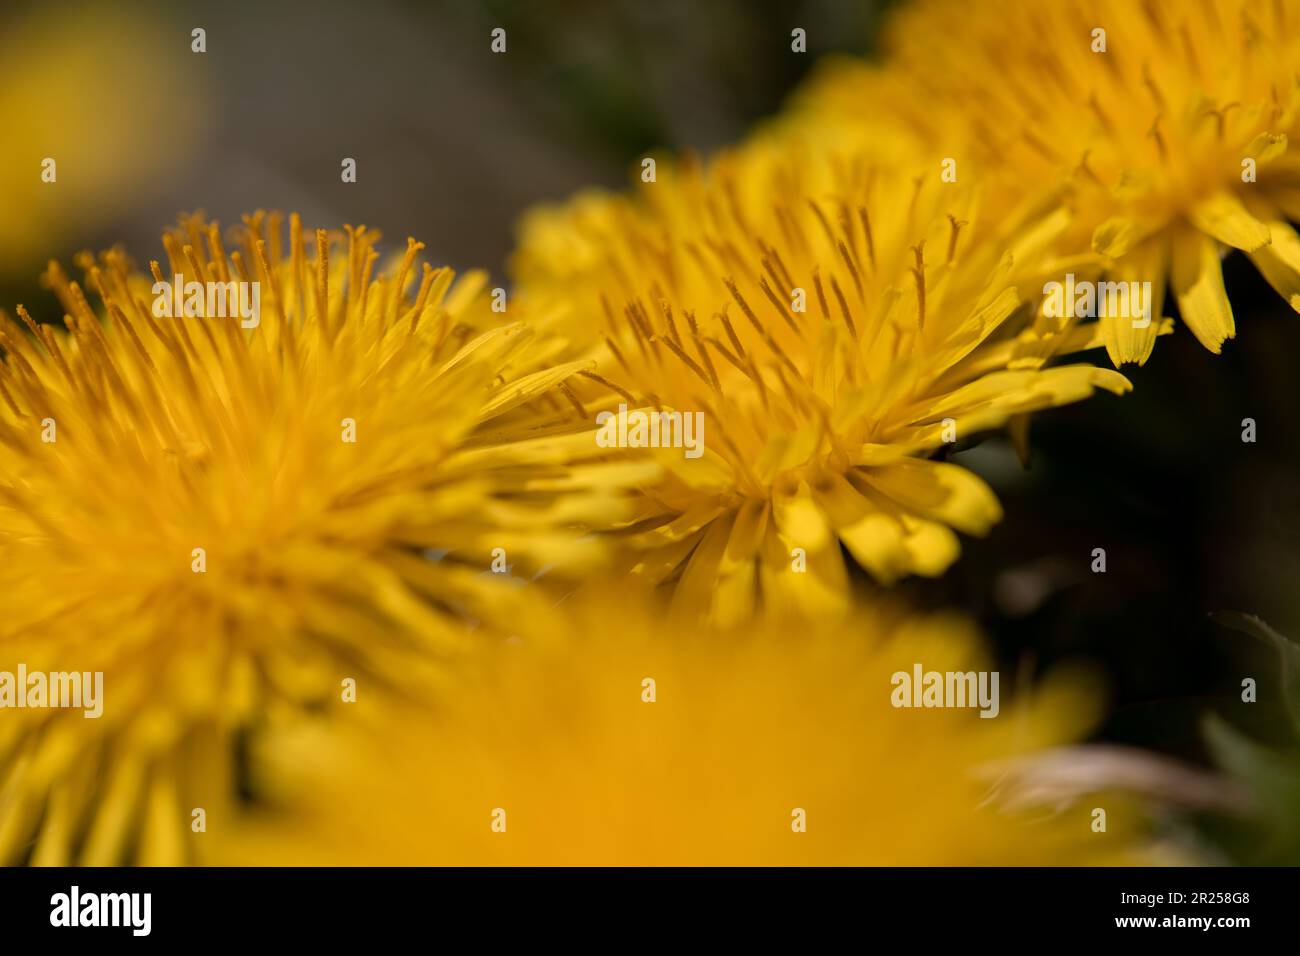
80, 122
1163, 129
691, 748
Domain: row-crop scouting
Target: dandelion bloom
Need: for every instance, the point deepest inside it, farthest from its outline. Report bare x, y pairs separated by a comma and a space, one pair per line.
232, 518
692, 748
1163, 129
73, 161
833, 324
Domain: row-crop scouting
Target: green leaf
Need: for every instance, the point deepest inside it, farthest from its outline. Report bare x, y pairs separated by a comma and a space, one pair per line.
1274, 781
1287, 649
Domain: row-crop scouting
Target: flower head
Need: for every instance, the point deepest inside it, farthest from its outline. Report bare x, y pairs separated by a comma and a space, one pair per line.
692, 748
1163, 129
834, 325
231, 515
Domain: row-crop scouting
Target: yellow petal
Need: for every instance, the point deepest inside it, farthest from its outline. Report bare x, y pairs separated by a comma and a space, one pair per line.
1197, 280
931, 547
748, 533
876, 543
990, 400
735, 593
1226, 219
1267, 147
938, 490
819, 590
1131, 338
1279, 262
1115, 237
163, 832
528, 387
801, 521
693, 598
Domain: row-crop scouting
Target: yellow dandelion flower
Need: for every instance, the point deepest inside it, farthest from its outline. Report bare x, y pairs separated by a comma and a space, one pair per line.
694, 748
1163, 128
81, 121
830, 325
231, 516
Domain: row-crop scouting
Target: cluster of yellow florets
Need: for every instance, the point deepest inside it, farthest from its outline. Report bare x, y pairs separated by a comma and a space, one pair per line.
605, 549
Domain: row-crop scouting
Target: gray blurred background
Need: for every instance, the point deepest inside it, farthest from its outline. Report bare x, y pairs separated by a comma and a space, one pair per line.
452, 141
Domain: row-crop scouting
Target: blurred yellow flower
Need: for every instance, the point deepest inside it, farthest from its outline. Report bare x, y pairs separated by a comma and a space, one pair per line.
577, 746
1162, 128
231, 516
831, 324
72, 91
